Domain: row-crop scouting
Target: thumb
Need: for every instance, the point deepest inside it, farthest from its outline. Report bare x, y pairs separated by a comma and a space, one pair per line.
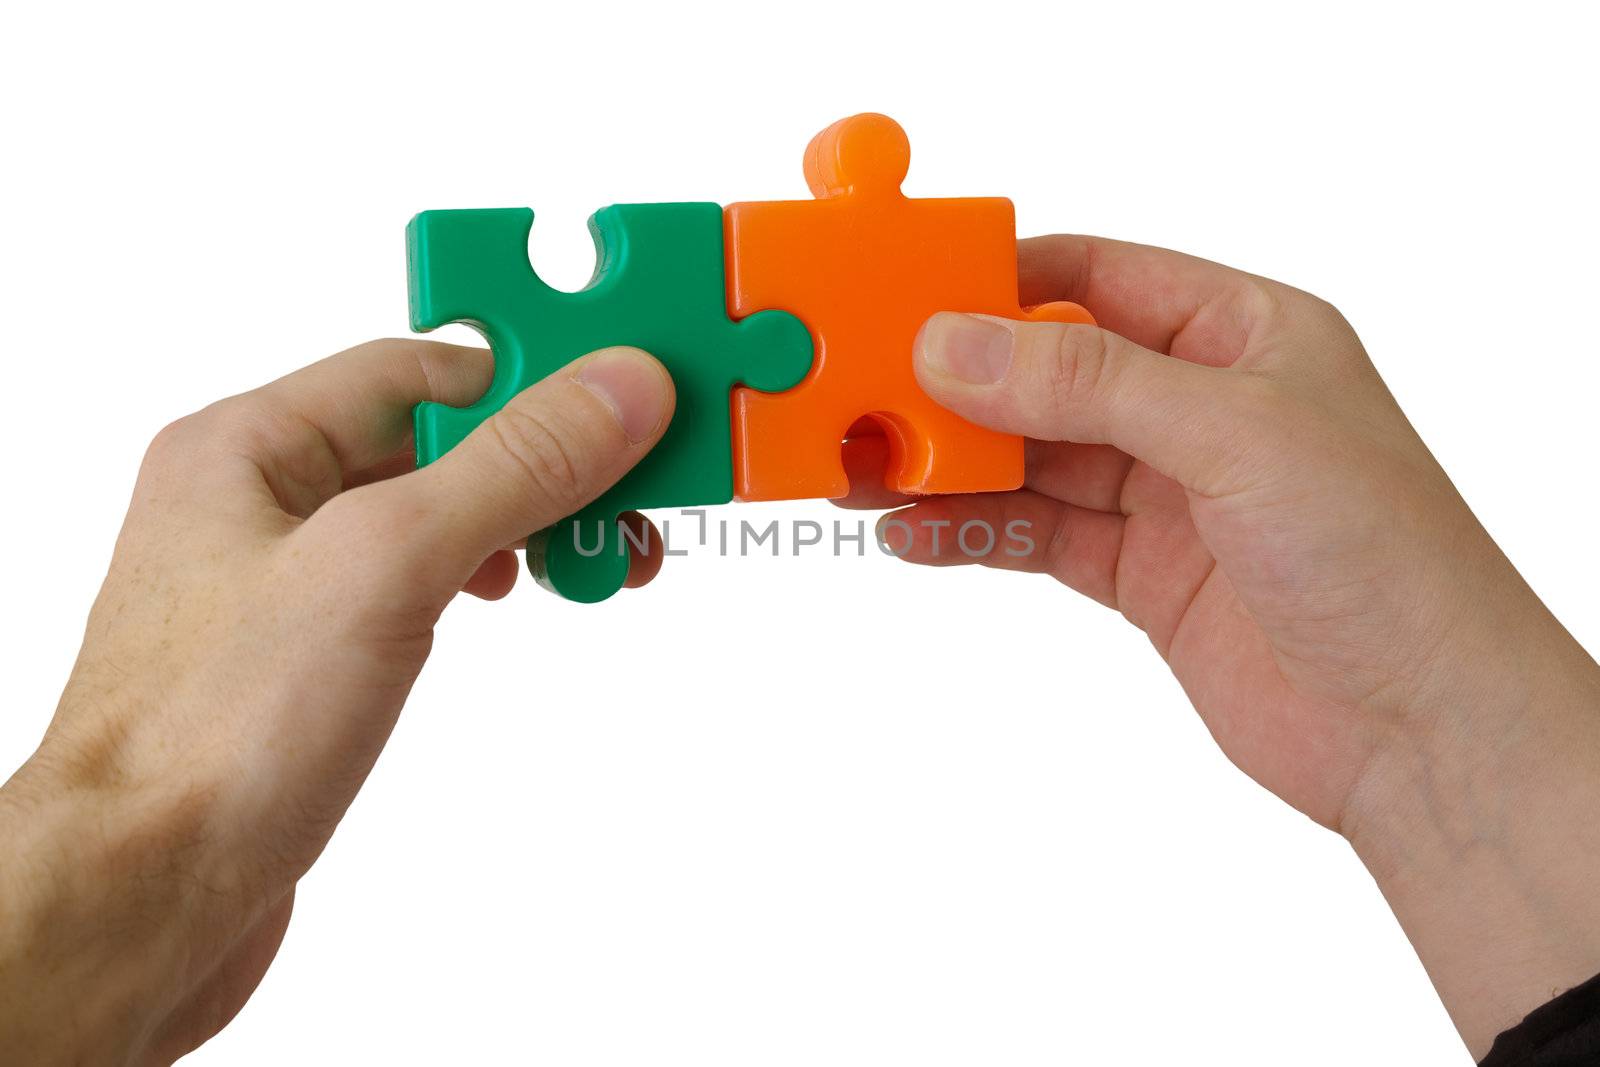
1070, 382
554, 448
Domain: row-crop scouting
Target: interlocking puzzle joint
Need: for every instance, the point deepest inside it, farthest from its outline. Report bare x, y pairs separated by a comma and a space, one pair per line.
764, 399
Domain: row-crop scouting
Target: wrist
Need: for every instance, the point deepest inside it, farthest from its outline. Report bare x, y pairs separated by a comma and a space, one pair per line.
103, 920
1477, 818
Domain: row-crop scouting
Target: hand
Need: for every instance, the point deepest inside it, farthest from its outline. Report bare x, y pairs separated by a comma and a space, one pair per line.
1222, 464
270, 601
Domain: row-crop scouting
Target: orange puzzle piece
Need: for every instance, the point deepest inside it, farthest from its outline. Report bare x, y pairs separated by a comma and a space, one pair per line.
864, 267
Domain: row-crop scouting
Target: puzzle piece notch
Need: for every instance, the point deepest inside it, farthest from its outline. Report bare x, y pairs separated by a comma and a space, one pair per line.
658, 285
865, 266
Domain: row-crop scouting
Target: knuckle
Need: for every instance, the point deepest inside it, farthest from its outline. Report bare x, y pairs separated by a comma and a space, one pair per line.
387, 345
381, 348
177, 439
1261, 300
1058, 548
170, 438
411, 349
1081, 365
267, 430
249, 421
1324, 309
1257, 299
543, 455
1333, 320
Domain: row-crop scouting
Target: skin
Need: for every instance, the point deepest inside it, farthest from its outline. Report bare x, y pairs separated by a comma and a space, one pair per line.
150, 847
1218, 461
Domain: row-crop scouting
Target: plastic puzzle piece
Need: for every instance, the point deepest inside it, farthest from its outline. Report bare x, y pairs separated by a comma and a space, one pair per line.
864, 267
658, 285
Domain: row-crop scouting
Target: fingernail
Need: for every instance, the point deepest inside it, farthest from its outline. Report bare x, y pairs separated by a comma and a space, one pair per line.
965, 347
632, 386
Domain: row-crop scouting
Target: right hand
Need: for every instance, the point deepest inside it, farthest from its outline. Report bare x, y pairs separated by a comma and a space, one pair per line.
270, 601
1220, 462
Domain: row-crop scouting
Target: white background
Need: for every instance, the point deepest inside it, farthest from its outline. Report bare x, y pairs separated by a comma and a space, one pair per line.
798, 811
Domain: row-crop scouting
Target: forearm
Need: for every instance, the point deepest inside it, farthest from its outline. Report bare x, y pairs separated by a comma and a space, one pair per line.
1482, 828
104, 915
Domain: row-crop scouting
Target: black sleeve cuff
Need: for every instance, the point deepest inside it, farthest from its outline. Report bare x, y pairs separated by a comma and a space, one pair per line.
1562, 1033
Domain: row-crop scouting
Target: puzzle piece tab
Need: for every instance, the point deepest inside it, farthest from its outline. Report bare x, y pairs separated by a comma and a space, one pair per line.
864, 267
658, 285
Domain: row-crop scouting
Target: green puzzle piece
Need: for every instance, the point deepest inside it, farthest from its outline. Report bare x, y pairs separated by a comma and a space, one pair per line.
658, 285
